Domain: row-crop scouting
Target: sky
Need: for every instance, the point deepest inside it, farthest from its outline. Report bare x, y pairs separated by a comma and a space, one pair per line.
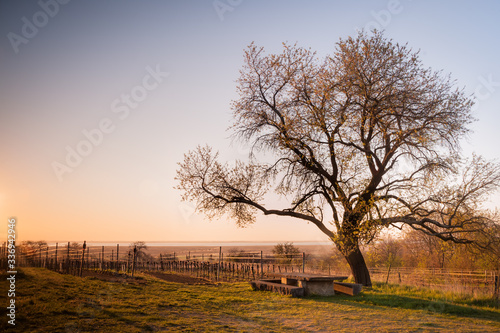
99, 101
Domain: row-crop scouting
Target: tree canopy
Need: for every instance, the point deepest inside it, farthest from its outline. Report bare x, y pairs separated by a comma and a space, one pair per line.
363, 139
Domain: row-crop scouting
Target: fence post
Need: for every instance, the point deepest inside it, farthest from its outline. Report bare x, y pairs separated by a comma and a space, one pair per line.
218, 265
117, 257
388, 272
102, 258
497, 289
128, 262
67, 261
261, 269
83, 257
55, 263
133, 261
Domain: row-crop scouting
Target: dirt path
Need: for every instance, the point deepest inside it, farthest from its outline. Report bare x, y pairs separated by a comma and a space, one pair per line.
114, 277
179, 278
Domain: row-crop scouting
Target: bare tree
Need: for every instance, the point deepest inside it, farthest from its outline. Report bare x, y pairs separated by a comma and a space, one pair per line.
364, 139
34, 245
488, 255
385, 252
141, 249
32, 249
75, 249
286, 252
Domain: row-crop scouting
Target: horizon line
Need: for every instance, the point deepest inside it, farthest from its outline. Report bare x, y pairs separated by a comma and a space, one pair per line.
190, 242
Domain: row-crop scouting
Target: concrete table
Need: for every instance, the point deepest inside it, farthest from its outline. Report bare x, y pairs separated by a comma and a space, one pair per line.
313, 284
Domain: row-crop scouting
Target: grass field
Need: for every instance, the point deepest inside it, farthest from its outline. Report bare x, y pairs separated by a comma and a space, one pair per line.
51, 302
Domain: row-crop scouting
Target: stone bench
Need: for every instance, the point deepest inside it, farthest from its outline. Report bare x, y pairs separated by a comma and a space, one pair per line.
347, 288
313, 284
276, 286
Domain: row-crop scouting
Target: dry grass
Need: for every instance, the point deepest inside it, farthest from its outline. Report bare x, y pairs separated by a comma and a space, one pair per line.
51, 302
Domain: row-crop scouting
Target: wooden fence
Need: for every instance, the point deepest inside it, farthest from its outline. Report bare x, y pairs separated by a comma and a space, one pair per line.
476, 283
215, 266
236, 266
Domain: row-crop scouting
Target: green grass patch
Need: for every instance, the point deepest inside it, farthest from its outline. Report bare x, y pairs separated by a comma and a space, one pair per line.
425, 299
50, 302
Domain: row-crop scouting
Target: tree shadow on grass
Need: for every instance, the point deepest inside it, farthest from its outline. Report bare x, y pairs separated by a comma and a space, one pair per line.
364, 300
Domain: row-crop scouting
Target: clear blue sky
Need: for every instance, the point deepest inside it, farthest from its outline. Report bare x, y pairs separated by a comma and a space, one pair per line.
156, 78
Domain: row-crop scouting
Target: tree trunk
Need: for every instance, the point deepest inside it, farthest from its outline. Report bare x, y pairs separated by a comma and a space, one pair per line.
358, 267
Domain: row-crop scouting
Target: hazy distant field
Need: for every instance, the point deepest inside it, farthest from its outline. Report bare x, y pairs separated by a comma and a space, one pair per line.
308, 249
202, 249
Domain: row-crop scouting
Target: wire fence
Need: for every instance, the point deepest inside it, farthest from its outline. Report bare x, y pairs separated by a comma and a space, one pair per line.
236, 265
477, 283
239, 266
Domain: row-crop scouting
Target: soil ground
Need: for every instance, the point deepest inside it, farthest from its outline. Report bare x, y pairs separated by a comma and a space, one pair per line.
47, 301
139, 280
179, 278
